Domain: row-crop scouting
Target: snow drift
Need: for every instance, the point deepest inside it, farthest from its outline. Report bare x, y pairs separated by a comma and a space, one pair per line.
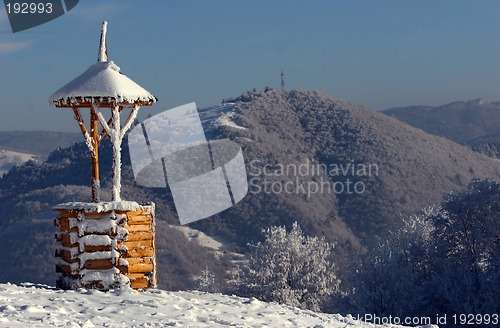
31, 305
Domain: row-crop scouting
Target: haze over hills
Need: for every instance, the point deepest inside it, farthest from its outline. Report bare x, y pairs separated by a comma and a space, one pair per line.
474, 123
17, 147
39, 143
293, 142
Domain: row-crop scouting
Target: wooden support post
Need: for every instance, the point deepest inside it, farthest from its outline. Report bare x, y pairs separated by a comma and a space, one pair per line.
117, 154
116, 132
93, 145
94, 134
103, 132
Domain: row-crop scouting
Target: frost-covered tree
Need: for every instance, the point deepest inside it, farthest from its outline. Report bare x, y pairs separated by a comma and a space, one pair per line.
291, 268
443, 262
388, 280
466, 250
205, 281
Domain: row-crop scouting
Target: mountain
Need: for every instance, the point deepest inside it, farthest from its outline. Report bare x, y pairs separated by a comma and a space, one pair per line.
411, 169
474, 123
373, 169
34, 305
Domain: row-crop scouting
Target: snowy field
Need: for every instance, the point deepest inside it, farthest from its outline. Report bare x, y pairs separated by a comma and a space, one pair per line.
33, 305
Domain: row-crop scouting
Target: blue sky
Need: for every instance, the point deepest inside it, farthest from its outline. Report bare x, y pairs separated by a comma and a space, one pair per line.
380, 54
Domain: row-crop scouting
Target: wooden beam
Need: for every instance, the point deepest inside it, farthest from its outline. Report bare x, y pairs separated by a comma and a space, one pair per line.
101, 264
143, 251
139, 227
67, 256
62, 268
135, 275
93, 145
65, 240
67, 213
97, 248
103, 132
130, 120
139, 283
104, 102
137, 267
81, 123
137, 243
140, 235
139, 219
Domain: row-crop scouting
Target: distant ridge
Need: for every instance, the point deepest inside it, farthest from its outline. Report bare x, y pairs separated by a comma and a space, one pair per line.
37, 142
475, 123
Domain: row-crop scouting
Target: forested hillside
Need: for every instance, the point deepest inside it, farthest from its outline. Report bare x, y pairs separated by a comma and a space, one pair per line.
373, 170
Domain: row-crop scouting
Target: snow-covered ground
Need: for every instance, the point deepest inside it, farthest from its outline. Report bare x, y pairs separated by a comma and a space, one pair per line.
33, 305
200, 237
225, 119
214, 245
220, 115
10, 158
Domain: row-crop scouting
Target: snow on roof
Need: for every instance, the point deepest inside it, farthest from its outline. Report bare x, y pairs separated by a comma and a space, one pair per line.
101, 82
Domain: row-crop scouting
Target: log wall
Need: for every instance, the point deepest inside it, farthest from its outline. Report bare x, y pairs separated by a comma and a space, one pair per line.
107, 249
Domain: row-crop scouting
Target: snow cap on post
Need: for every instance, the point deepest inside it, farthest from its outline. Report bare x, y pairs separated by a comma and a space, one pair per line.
103, 49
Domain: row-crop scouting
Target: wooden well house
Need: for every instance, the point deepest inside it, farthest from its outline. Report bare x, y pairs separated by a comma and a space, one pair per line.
104, 244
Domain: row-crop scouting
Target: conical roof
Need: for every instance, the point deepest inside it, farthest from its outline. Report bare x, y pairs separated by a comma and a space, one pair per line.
102, 83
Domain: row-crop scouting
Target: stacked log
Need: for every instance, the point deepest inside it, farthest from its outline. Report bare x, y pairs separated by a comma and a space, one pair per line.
105, 245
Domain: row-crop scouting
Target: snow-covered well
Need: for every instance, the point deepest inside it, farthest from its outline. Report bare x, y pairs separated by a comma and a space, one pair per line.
105, 245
